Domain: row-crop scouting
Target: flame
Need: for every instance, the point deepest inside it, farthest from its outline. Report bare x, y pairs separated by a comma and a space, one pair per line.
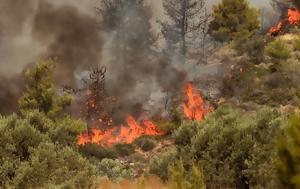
293, 18
125, 134
195, 107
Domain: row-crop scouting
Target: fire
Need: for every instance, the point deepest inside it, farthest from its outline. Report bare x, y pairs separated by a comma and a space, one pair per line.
194, 108
293, 18
125, 134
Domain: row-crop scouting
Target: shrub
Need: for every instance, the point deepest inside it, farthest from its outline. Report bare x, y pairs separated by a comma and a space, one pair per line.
237, 150
145, 143
158, 164
278, 49
179, 178
124, 149
184, 133
114, 169
289, 150
97, 151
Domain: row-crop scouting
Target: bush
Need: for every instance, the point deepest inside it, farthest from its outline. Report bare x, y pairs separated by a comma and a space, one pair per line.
278, 49
184, 133
237, 150
114, 169
179, 178
97, 151
254, 47
158, 164
289, 150
124, 149
145, 143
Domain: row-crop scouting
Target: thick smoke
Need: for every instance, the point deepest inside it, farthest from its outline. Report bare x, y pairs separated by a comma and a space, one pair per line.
73, 38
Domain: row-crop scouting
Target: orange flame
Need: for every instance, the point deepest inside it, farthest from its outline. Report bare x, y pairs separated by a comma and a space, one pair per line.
125, 134
293, 18
195, 107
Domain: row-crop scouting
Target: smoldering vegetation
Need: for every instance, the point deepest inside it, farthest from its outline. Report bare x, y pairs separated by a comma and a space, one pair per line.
120, 38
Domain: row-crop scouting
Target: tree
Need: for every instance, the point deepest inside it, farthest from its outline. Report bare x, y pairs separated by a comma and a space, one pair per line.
232, 17
40, 94
289, 155
187, 20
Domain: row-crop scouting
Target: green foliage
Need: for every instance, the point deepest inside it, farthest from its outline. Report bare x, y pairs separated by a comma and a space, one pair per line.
296, 44
278, 49
289, 155
184, 133
236, 149
145, 143
114, 169
179, 178
29, 159
124, 149
40, 94
158, 164
97, 151
232, 17
253, 46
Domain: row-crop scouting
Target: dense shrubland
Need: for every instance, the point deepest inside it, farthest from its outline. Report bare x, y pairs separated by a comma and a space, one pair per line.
249, 141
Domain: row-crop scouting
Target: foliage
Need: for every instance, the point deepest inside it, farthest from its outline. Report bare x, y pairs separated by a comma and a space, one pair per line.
145, 143
253, 46
40, 94
278, 49
236, 150
114, 169
232, 17
29, 158
97, 151
289, 155
124, 149
179, 178
158, 164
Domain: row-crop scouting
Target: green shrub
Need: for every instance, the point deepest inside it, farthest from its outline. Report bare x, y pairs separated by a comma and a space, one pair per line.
114, 169
184, 133
288, 164
237, 150
278, 49
296, 43
179, 178
124, 149
158, 164
254, 47
97, 151
145, 143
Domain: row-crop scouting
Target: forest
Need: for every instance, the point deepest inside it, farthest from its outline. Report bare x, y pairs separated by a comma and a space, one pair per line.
133, 94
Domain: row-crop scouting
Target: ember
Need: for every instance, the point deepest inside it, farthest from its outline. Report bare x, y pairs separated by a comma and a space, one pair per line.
195, 107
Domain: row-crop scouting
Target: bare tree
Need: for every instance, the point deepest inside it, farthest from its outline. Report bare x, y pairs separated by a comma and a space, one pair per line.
187, 20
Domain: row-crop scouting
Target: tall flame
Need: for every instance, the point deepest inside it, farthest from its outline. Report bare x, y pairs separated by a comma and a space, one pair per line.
194, 108
293, 18
125, 134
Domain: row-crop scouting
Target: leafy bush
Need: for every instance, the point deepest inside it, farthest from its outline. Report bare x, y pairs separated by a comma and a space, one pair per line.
253, 46
184, 133
114, 169
145, 143
158, 165
124, 149
238, 150
289, 150
278, 49
97, 151
179, 178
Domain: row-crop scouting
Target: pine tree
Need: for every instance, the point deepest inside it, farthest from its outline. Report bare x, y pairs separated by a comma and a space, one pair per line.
40, 94
187, 19
233, 18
